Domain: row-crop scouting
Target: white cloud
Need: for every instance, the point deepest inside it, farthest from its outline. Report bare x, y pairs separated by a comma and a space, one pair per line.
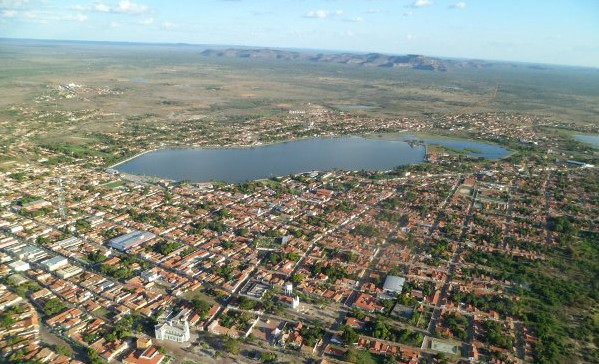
147, 21
168, 25
128, 7
9, 13
409, 37
74, 17
78, 7
320, 14
421, 3
101, 7
459, 5
36, 16
114, 24
122, 7
357, 19
11, 4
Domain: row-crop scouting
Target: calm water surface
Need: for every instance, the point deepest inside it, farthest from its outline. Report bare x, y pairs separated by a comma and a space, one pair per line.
590, 139
474, 149
241, 164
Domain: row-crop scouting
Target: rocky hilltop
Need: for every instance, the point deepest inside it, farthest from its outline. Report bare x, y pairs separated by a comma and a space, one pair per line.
366, 60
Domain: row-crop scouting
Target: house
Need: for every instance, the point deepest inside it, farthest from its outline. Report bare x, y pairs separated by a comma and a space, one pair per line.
473, 353
149, 275
143, 342
151, 355
291, 302
367, 302
69, 272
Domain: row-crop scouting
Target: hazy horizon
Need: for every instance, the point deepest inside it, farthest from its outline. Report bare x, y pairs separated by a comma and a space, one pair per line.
551, 32
289, 49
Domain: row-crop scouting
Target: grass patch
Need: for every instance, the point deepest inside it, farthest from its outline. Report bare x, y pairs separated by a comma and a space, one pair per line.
114, 184
366, 357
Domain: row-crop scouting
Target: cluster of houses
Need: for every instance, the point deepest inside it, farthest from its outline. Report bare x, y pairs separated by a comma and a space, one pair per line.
20, 330
132, 248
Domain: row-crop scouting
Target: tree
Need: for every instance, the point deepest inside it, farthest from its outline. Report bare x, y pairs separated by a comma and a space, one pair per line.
351, 355
90, 338
63, 350
165, 248
293, 256
201, 307
380, 330
268, 357
93, 357
246, 303
297, 278
349, 336
242, 232
6, 320
441, 359
96, 257
231, 346
390, 360
350, 256
53, 305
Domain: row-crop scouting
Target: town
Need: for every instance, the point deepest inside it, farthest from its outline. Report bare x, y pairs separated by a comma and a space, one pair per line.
458, 259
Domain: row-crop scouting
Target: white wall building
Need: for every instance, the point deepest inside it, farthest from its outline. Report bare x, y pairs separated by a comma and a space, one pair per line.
288, 289
18, 266
173, 331
55, 263
69, 272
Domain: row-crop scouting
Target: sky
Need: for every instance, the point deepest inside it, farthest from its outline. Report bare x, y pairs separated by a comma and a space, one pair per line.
541, 31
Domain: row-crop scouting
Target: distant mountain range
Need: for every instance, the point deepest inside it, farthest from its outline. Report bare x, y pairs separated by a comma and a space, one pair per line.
412, 61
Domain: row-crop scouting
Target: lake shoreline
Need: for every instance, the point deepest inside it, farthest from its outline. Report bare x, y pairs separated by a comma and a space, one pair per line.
235, 164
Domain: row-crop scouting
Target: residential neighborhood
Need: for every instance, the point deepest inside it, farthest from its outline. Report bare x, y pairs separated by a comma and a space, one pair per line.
319, 263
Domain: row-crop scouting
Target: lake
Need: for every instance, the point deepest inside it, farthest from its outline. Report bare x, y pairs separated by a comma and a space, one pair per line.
236, 165
473, 149
589, 139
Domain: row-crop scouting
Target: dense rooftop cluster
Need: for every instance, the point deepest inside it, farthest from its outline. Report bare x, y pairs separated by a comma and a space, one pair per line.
475, 241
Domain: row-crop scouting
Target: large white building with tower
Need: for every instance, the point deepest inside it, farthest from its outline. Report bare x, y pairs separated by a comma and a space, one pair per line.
177, 331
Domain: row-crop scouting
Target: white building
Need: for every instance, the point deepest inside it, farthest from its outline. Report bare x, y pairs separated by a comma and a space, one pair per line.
288, 289
71, 242
18, 266
31, 253
173, 331
393, 285
69, 272
295, 303
149, 275
55, 263
290, 301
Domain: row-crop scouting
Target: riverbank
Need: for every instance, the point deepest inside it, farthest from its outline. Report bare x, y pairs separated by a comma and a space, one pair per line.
131, 158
